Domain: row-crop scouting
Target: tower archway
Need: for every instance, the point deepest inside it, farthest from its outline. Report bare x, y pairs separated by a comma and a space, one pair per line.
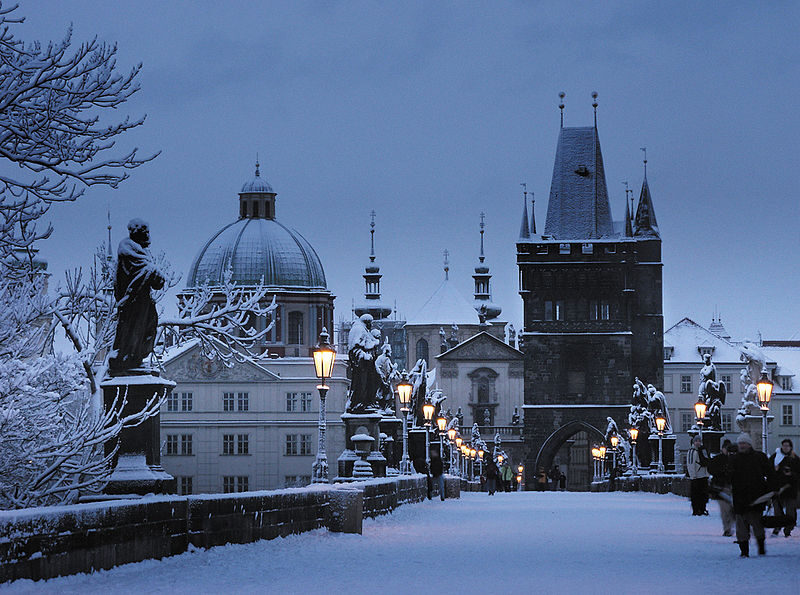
573, 435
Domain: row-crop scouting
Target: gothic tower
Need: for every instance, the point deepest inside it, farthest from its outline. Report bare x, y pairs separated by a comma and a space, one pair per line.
592, 299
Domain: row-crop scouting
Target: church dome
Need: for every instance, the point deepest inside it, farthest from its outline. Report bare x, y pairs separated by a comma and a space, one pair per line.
257, 184
258, 248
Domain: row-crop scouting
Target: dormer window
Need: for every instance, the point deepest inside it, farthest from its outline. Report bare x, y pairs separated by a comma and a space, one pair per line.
705, 350
587, 248
669, 351
563, 248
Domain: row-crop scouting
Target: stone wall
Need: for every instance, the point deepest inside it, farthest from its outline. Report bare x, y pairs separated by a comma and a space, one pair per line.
657, 484
47, 542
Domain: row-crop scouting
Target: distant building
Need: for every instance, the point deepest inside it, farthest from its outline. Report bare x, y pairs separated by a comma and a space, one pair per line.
592, 298
254, 426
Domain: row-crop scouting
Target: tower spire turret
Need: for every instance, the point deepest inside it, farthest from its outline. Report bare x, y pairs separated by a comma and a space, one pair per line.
561, 106
645, 220
628, 221
533, 214
372, 283
483, 296
524, 230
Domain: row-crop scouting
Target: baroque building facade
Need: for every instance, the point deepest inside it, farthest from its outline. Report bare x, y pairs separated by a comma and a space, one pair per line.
592, 300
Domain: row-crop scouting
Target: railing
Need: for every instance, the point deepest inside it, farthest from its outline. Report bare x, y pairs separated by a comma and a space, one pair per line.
506, 432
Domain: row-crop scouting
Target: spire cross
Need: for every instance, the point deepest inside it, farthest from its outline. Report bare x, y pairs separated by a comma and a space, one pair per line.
644, 150
483, 217
561, 106
594, 106
372, 237
258, 173
446, 264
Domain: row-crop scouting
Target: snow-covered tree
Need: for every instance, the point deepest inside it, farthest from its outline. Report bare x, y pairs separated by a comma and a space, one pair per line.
55, 99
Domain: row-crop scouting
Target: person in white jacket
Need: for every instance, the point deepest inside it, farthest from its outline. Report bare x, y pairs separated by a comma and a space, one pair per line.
696, 466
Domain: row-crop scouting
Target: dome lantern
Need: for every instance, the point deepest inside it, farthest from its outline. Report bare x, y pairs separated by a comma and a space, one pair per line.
257, 198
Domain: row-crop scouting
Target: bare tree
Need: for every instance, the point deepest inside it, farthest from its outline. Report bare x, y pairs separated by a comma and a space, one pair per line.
53, 101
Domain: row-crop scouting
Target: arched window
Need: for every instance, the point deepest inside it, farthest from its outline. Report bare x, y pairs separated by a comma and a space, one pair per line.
295, 328
422, 350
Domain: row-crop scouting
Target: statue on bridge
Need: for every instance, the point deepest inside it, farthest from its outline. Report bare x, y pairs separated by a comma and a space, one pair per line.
362, 351
712, 393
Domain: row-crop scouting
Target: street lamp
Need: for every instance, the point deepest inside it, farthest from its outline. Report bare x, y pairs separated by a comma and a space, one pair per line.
427, 413
520, 476
700, 413
472, 454
442, 423
451, 436
602, 450
324, 356
614, 442
634, 433
404, 388
661, 423
480, 461
764, 388
596, 461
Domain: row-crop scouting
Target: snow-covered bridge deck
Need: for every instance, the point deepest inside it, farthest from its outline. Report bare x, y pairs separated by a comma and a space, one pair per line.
555, 542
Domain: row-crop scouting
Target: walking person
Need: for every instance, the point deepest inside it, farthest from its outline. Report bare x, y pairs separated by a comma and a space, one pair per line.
437, 471
787, 474
420, 466
720, 469
696, 467
751, 475
507, 475
491, 477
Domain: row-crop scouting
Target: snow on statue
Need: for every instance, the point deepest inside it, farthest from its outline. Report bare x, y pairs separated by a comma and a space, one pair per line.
712, 393
362, 351
387, 371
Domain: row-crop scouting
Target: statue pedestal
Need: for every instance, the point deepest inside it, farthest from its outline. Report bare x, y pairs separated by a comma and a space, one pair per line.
355, 424
667, 453
753, 425
137, 464
711, 439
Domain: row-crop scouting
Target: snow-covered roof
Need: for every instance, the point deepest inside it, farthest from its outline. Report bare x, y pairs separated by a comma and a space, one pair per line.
788, 360
578, 207
446, 306
687, 336
646, 224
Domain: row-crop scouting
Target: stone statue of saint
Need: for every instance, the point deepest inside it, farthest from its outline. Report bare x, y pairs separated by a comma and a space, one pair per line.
442, 341
487, 417
712, 393
137, 275
387, 372
515, 417
362, 351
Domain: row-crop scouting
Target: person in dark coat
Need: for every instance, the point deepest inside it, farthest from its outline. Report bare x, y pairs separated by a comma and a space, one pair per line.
420, 466
751, 476
787, 475
492, 473
720, 469
697, 468
437, 471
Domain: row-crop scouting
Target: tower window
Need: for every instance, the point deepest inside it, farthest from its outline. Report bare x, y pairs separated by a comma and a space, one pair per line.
295, 328
422, 350
255, 208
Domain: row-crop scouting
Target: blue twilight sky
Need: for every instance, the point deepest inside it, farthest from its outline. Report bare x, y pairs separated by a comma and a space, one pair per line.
431, 112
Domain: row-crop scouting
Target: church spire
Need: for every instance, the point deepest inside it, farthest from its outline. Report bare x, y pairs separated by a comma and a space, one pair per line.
628, 221
372, 283
645, 221
524, 230
533, 215
483, 297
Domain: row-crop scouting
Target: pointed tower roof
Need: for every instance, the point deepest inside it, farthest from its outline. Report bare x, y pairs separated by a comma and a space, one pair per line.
372, 283
578, 207
646, 224
717, 328
524, 230
628, 223
483, 297
446, 305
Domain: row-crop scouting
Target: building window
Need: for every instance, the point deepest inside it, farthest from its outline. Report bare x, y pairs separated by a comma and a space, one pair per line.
235, 483
292, 442
184, 485
559, 310
296, 481
227, 444
587, 248
298, 401
687, 420
554, 310
704, 351
786, 382
787, 415
422, 350
669, 351
727, 422
186, 444
243, 444
305, 444
243, 401
172, 402
295, 328
599, 310
726, 380
668, 383
542, 249
172, 444
228, 483
563, 248
611, 249
186, 401
686, 383
227, 401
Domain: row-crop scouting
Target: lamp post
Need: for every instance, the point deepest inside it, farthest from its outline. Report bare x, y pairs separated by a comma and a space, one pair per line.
661, 423
404, 388
472, 454
451, 436
324, 356
442, 423
427, 413
634, 433
764, 388
520, 476
614, 443
480, 461
700, 414
460, 454
595, 463
602, 450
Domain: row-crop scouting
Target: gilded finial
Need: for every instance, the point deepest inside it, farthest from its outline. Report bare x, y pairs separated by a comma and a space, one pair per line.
446, 264
644, 150
594, 106
372, 237
258, 165
483, 224
561, 106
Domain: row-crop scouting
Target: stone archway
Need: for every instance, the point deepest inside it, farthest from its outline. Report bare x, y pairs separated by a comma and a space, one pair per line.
554, 442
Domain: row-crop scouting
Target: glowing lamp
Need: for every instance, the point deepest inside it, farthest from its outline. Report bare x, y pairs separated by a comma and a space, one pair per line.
614, 441
661, 423
480, 454
519, 478
602, 450
324, 356
451, 434
634, 432
473, 453
404, 388
700, 410
442, 423
459, 441
427, 411
520, 468
500, 459
764, 388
